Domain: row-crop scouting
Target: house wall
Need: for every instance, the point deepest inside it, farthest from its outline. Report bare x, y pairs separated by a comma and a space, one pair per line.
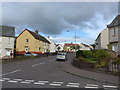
104, 39
33, 43
113, 37
119, 41
98, 43
52, 46
6, 46
82, 47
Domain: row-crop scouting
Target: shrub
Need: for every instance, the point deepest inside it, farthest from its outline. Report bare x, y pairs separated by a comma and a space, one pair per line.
79, 53
81, 59
87, 54
101, 54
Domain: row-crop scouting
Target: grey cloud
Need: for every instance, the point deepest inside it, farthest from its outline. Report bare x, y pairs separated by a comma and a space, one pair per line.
53, 18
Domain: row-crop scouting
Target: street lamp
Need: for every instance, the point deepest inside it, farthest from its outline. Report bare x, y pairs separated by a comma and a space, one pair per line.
75, 41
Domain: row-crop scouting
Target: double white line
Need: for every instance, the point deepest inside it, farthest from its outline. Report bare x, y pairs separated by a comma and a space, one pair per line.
91, 86
56, 83
110, 87
73, 85
41, 82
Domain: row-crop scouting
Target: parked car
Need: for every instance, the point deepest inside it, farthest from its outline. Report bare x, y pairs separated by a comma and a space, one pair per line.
62, 56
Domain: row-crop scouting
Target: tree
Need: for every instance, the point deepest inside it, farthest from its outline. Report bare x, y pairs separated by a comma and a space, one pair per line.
93, 45
109, 46
76, 47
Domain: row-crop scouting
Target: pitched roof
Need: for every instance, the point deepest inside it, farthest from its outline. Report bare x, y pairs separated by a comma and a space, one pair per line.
37, 36
69, 44
115, 22
85, 45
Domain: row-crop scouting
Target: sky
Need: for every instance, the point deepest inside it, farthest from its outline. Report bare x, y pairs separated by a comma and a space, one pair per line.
60, 20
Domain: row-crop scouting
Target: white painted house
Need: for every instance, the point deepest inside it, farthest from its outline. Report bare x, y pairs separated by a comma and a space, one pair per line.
114, 28
59, 45
102, 40
52, 46
7, 38
85, 46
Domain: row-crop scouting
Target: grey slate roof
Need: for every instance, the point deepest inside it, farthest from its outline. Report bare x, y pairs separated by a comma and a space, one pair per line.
115, 22
37, 36
7, 31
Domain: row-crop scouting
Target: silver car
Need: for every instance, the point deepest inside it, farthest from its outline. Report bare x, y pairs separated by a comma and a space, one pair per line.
62, 56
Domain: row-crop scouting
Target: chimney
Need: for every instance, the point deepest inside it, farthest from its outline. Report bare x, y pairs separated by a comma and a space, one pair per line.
36, 31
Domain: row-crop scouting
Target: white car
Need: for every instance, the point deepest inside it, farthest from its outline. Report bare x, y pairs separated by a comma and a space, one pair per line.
62, 56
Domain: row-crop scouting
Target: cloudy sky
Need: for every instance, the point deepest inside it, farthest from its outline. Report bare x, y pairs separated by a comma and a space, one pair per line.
60, 20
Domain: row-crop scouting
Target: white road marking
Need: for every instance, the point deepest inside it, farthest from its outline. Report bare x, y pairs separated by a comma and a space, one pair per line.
18, 79
108, 86
1, 80
39, 83
74, 83
58, 82
52, 84
6, 78
29, 80
51, 60
13, 81
90, 87
37, 64
25, 82
72, 86
43, 81
10, 72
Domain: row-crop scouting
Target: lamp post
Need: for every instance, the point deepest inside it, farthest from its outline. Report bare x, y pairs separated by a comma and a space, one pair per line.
75, 41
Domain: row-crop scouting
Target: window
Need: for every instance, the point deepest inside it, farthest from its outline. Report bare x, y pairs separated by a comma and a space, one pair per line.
114, 31
27, 40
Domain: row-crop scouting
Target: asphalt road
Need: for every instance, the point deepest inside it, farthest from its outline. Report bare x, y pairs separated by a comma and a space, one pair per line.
42, 73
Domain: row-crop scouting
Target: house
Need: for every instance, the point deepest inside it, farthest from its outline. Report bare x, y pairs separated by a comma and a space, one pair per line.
52, 46
7, 38
114, 33
29, 41
70, 47
59, 47
102, 40
85, 47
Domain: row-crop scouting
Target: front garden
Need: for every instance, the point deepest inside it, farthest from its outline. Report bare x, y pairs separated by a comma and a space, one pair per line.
98, 58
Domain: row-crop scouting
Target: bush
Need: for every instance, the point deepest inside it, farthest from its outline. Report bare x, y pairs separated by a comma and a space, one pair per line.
101, 54
81, 59
87, 54
93, 55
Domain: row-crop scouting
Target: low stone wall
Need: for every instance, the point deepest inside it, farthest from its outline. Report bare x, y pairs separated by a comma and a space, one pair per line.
84, 64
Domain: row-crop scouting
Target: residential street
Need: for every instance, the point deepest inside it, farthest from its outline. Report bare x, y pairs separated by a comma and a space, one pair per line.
43, 73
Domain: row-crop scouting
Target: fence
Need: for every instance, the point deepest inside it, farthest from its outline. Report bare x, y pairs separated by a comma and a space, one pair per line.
113, 67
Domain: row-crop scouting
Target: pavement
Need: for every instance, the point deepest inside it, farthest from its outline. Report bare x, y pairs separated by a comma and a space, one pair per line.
45, 72
69, 68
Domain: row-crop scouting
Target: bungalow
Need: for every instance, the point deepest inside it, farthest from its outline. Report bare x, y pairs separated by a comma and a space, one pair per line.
114, 31
59, 47
85, 47
32, 42
7, 38
70, 47
102, 40
52, 46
